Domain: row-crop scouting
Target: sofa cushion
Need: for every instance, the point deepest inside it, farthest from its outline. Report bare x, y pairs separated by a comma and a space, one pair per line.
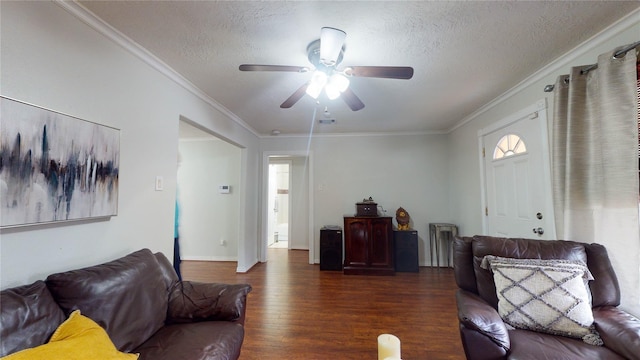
475, 314
619, 330
463, 264
549, 296
78, 338
127, 296
28, 317
168, 272
193, 301
200, 340
535, 345
519, 249
605, 289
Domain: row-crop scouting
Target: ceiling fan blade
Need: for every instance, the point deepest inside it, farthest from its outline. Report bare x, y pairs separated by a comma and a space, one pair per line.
255, 67
388, 72
331, 41
297, 95
352, 100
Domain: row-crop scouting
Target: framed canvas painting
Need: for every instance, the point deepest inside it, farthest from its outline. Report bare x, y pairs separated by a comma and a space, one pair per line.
55, 167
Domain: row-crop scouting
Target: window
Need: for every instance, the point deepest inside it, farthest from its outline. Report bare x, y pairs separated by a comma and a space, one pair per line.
509, 145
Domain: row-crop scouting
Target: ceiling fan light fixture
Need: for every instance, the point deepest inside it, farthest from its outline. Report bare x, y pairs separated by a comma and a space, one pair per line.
331, 41
337, 84
338, 81
317, 83
332, 92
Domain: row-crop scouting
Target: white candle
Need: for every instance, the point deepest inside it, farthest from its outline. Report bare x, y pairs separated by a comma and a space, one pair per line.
388, 347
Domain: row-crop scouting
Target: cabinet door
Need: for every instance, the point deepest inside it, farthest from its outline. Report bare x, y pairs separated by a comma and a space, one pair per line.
381, 250
356, 235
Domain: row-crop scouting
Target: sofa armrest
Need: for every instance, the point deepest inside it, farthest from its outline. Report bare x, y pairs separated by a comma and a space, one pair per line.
194, 301
619, 330
477, 315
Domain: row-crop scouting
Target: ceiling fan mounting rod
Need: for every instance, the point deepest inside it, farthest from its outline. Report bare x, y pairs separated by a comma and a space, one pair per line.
313, 54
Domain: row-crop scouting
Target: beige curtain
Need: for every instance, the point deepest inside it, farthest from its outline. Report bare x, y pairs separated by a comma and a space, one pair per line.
595, 163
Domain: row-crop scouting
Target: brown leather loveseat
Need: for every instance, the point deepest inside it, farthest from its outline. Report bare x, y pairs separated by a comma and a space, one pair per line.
141, 304
485, 335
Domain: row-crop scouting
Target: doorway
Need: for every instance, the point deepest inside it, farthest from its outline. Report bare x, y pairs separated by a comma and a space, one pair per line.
301, 233
516, 176
279, 217
209, 213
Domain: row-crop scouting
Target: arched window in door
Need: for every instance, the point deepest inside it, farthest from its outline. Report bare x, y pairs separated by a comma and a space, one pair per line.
509, 145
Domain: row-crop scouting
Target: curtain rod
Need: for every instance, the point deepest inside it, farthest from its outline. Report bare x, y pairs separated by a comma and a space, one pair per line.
617, 54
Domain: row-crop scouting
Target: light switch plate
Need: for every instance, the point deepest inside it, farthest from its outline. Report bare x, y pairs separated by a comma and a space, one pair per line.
159, 183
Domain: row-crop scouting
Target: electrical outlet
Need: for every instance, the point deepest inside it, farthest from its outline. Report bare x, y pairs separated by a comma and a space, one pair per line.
223, 242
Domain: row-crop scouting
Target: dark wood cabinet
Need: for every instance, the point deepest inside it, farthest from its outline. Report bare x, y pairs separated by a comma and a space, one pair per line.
405, 245
368, 245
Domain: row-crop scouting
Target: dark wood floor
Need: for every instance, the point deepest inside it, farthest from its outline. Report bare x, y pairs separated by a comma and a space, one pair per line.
296, 311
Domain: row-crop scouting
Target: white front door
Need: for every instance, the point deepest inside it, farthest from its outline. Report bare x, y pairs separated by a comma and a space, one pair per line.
517, 178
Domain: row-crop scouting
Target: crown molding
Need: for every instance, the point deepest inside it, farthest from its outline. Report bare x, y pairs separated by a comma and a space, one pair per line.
89, 18
363, 134
563, 62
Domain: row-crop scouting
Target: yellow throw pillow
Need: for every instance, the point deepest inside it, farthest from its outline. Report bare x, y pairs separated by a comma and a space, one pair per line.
78, 338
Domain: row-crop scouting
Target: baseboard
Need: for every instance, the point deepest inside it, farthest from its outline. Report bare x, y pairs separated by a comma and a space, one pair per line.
209, 258
245, 270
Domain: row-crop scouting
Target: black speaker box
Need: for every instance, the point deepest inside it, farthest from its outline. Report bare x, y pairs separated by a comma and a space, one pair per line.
331, 248
405, 246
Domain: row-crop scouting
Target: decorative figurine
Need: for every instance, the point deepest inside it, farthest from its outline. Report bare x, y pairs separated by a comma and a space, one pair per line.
403, 219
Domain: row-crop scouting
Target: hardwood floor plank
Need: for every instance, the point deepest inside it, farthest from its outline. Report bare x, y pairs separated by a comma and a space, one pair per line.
296, 311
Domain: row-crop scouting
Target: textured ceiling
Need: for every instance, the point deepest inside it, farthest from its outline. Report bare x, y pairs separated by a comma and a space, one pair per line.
465, 54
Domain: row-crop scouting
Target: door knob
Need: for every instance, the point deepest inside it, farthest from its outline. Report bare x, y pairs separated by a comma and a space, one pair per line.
538, 231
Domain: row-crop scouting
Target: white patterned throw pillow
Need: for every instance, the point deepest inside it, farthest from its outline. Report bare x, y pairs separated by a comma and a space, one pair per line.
550, 296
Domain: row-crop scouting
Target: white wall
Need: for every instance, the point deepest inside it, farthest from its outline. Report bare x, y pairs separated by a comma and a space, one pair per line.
396, 170
299, 192
208, 217
52, 59
463, 146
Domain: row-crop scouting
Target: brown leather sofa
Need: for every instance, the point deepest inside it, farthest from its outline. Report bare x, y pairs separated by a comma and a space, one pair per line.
139, 301
484, 334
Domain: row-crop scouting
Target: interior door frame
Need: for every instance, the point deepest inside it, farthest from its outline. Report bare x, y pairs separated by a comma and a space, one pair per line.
288, 161
538, 109
264, 216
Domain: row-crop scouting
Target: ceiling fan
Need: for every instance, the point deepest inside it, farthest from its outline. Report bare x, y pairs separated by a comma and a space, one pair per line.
325, 54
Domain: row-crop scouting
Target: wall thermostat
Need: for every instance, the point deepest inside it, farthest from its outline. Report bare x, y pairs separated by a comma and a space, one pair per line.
224, 189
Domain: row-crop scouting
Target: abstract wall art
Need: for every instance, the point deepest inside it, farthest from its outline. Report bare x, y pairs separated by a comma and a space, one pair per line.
55, 167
